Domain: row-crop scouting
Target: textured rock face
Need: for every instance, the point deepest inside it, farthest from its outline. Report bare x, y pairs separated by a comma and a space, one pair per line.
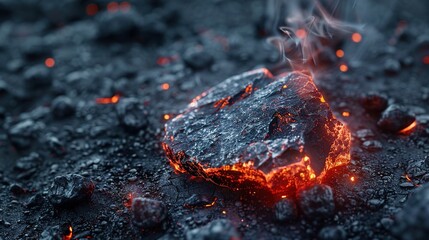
256, 128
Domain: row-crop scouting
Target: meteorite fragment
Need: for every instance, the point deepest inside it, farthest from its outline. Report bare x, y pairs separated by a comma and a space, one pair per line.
256, 130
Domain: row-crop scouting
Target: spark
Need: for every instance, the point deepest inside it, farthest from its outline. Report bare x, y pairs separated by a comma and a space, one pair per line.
344, 68
356, 37
49, 62
345, 114
352, 178
322, 99
165, 86
339, 53
211, 204
166, 117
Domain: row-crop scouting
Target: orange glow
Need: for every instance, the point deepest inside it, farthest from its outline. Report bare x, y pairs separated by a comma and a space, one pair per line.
301, 33
112, 100
345, 114
322, 99
352, 179
284, 196
112, 6
129, 200
224, 212
356, 37
49, 62
166, 116
339, 53
409, 128
344, 68
426, 59
125, 6
91, 9
284, 86
211, 204
69, 235
165, 86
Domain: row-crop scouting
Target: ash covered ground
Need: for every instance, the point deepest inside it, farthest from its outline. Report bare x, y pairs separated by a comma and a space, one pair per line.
87, 86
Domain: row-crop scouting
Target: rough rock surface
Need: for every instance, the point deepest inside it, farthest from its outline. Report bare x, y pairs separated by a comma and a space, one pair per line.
255, 117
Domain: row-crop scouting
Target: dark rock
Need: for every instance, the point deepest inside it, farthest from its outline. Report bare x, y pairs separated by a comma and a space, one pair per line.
37, 76
118, 25
23, 133
411, 223
395, 118
27, 163
387, 223
17, 189
365, 134
27, 166
70, 189
197, 58
52, 233
270, 122
285, 210
220, 229
35, 201
62, 107
148, 213
372, 145
317, 202
131, 114
332, 233
392, 66
375, 203
55, 146
198, 200
373, 102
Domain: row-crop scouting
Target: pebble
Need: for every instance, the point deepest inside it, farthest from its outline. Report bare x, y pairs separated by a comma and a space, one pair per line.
148, 213
285, 210
395, 118
332, 233
197, 58
70, 189
411, 223
374, 102
131, 114
317, 201
37, 76
62, 107
220, 229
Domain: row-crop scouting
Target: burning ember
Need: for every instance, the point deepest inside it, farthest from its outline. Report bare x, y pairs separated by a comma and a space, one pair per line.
251, 131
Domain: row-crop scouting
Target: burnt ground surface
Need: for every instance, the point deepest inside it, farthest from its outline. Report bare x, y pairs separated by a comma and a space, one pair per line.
190, 45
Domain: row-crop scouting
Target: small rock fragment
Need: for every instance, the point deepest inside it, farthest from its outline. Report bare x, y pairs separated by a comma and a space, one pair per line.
373, 102
285, 210
332, 233
22, 134
51, 233
220, 229
197, 58
410, 223
392, 67
35, 201
70, 189
148, 213
372, 145
198, 200
37, 76
317, 202
131, 114
62, 107
395, 118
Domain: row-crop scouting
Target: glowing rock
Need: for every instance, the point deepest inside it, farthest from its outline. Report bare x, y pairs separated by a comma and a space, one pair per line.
256, 130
